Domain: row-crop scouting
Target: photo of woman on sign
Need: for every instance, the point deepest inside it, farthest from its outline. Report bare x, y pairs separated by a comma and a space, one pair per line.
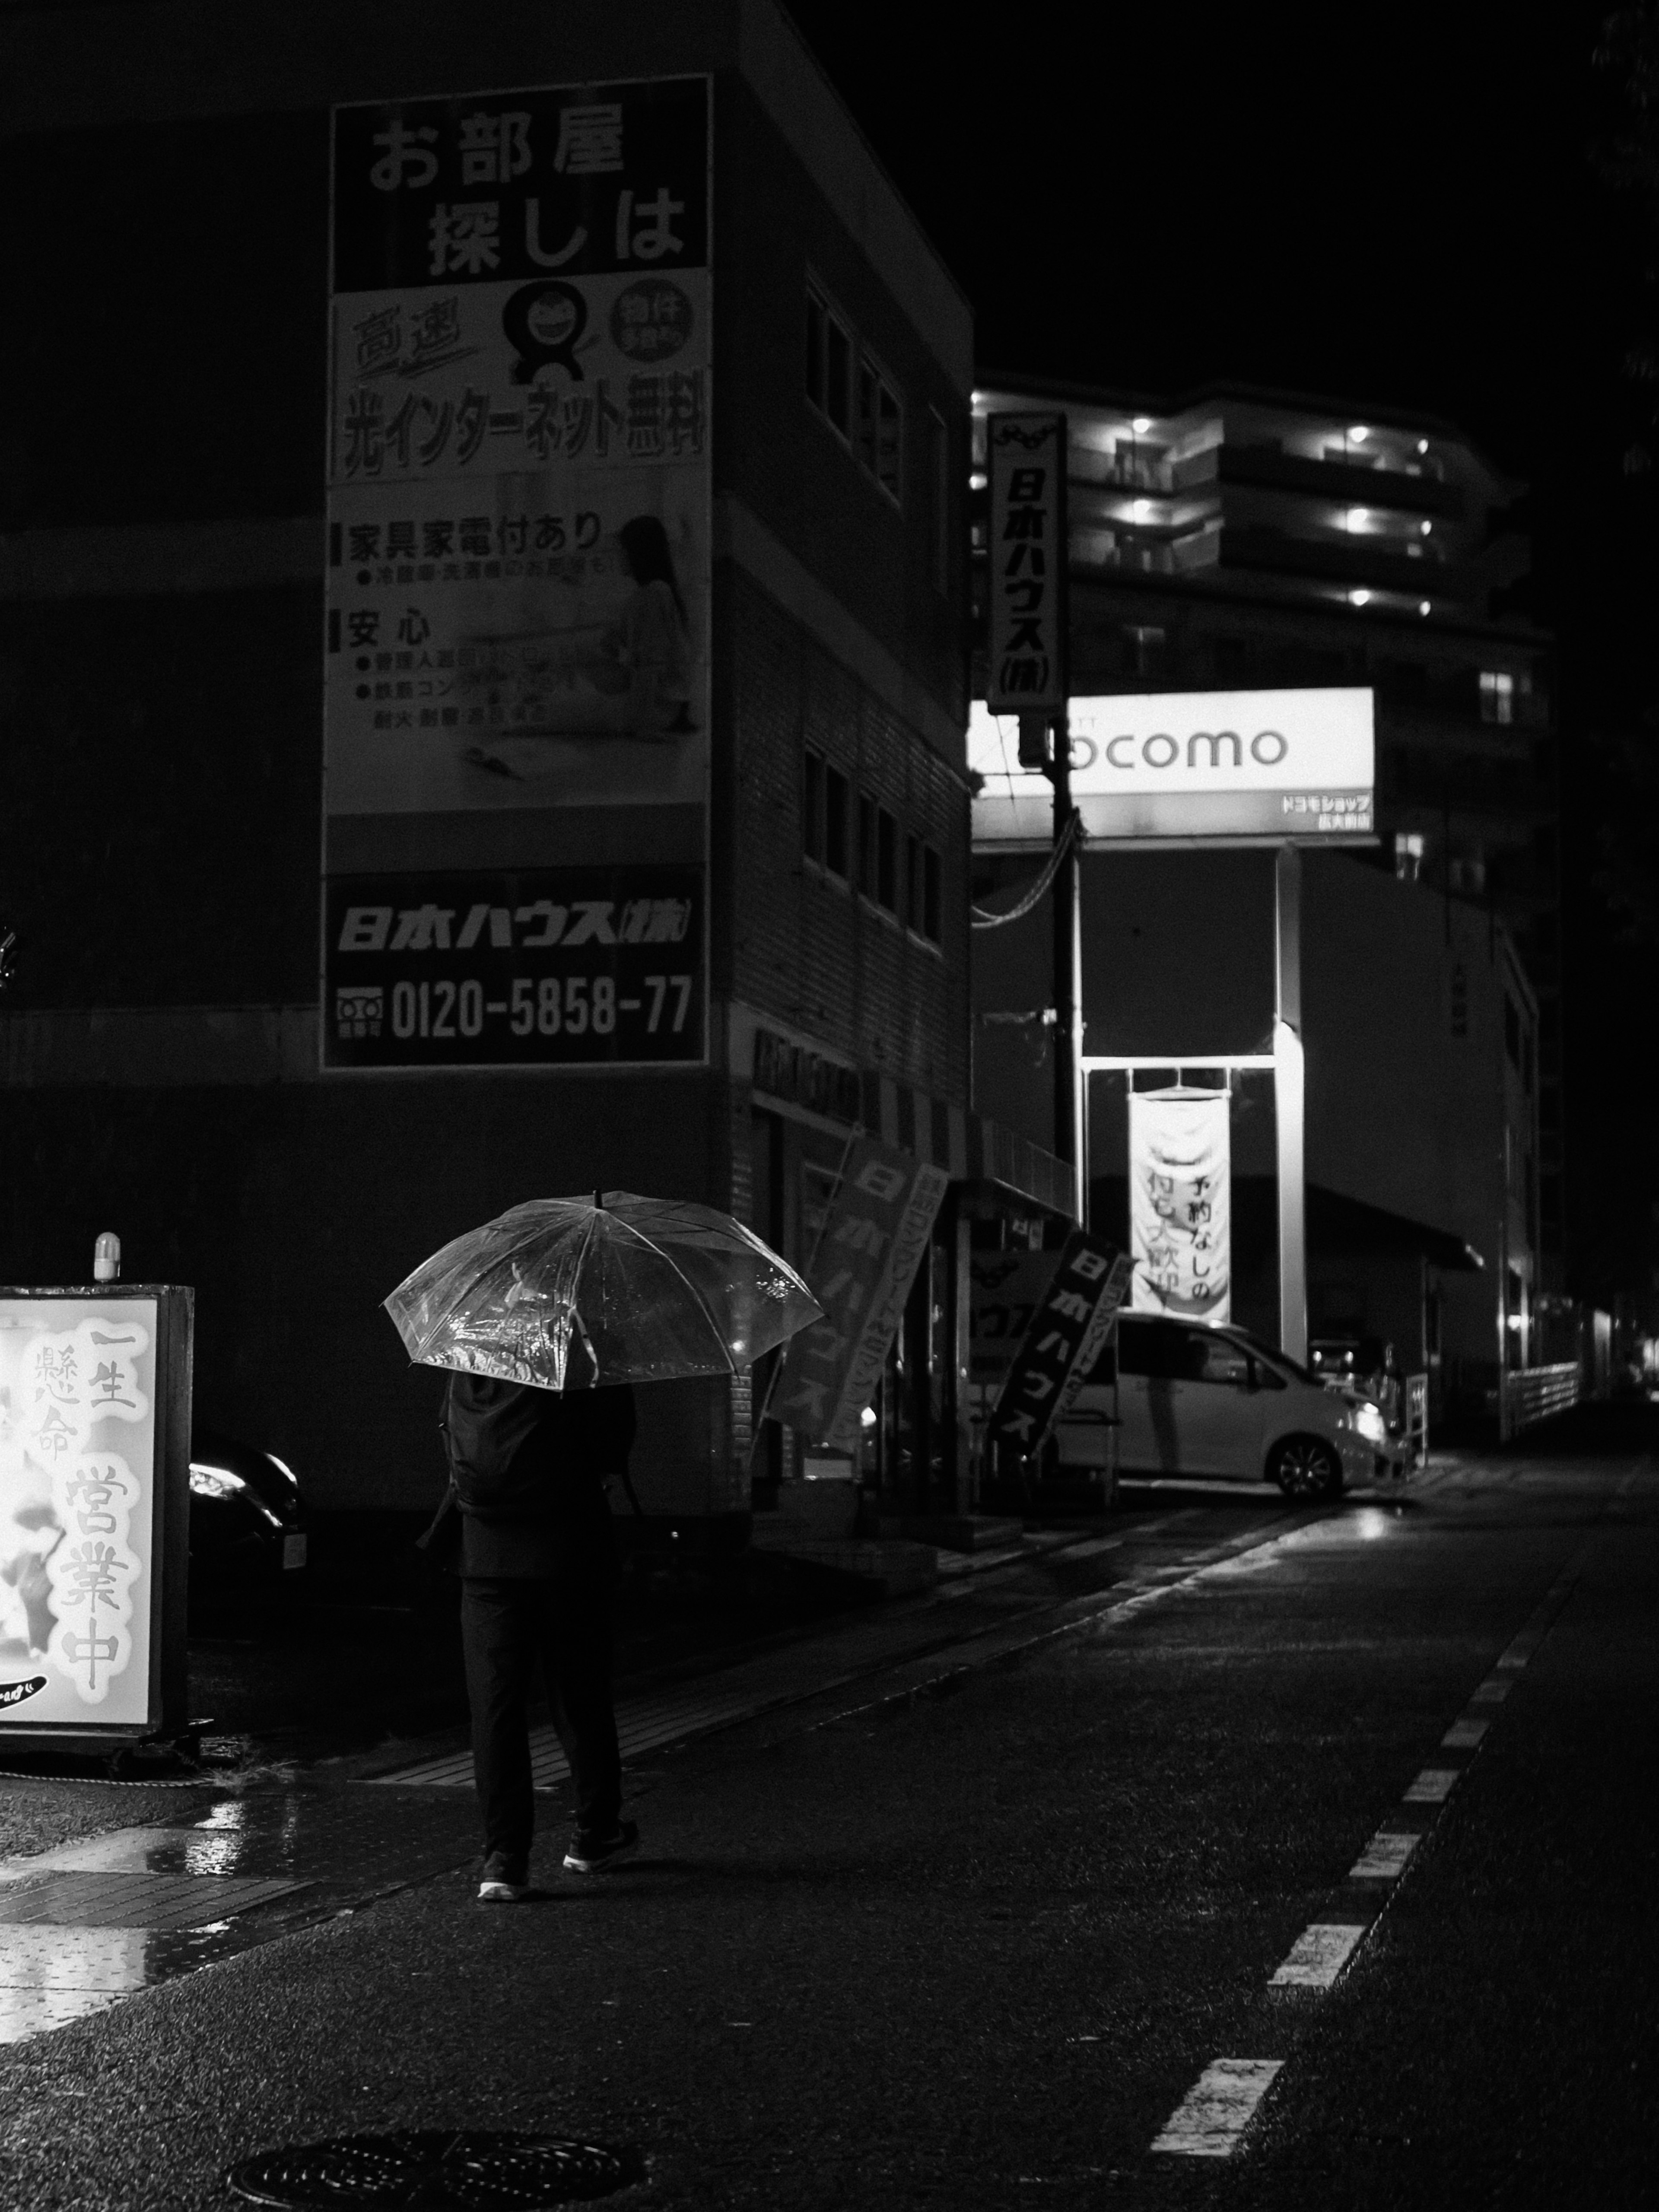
648, 654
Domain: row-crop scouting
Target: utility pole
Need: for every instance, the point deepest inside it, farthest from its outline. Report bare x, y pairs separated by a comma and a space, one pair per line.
1028, 627
1069, 1133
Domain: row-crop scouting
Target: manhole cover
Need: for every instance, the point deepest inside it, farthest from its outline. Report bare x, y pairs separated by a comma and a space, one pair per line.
436, 2170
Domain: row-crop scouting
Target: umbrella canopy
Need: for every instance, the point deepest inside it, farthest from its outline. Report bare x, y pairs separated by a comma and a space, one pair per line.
571, 1293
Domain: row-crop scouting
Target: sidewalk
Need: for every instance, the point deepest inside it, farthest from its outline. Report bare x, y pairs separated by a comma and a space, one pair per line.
241, 1859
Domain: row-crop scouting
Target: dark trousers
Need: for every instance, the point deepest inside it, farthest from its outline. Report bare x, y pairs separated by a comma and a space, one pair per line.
507, 1625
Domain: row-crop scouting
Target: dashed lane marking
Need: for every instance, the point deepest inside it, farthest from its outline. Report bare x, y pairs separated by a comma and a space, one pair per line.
1318, 1955
1433, 1786
1464, 1734
1215, 2112
1384, 1857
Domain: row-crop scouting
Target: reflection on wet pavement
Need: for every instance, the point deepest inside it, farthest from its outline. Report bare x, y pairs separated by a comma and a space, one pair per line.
93, 1921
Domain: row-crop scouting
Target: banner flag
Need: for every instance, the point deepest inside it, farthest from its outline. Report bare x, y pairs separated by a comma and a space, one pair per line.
878, 1228
1180, 1209
1066, 1336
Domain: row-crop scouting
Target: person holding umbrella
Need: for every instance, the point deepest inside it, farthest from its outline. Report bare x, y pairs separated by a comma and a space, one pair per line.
546, 1317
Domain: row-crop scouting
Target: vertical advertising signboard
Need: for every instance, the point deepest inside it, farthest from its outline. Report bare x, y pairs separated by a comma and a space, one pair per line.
94, 1498
1025, 463
1180, 1198
516, 759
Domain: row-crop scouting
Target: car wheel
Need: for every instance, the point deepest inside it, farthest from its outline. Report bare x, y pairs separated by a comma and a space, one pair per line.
1304, 1467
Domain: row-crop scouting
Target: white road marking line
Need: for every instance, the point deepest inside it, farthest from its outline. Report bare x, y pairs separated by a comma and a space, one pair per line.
1519, 1652
1384, 1857
1215, 2112
1492, 1691
1433, 1786
1463, 1735
1317, 1956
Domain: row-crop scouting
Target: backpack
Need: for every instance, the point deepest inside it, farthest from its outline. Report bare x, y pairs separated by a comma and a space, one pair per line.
495, 1442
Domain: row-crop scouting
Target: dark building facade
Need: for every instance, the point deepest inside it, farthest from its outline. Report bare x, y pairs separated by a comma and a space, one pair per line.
1235, 539
163, 560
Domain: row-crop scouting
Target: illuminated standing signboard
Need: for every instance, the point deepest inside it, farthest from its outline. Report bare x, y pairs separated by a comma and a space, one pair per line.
1189, 767
95, 1414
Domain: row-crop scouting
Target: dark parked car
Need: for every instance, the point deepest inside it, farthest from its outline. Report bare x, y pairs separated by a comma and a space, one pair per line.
247, 1529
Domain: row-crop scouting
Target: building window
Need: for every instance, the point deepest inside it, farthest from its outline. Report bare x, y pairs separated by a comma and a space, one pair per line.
811, 806
834, 821
816, 318
881, 428
886, 860
829, 363
938, 482
1458, 1000
1408, 856
921, 889
867, 844
1143, 647
1497, 695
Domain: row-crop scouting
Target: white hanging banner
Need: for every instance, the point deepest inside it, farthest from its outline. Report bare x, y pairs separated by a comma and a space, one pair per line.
1180, 1214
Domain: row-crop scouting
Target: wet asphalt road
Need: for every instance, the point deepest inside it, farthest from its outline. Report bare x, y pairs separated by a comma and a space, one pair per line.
974, 1948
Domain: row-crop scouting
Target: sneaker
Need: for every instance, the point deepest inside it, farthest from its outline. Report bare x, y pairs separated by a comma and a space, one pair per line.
503, 1883
587, 1853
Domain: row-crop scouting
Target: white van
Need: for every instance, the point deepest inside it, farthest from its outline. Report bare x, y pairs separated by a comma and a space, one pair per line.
1218, 1404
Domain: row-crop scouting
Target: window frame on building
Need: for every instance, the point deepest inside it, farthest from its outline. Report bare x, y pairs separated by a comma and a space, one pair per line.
824, 324
878, 401
848, 386
1499, 690
938, 484
837, 791
811, 805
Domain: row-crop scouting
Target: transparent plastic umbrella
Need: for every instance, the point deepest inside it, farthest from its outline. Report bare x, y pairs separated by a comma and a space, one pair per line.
570, 1293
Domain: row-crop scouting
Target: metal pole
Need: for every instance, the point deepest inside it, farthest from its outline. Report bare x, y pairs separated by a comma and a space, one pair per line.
1289, 1104
1068, 1073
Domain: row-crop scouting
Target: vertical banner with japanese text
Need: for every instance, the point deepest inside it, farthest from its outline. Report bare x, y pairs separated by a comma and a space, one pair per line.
1025, 462
878, 1228
1066, 1334
517, 702
1180, 1193
79, 1513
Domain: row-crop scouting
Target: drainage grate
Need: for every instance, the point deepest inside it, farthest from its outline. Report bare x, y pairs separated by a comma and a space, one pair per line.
437, 2171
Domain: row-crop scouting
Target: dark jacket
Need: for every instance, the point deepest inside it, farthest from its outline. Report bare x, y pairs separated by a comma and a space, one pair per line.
528, 1471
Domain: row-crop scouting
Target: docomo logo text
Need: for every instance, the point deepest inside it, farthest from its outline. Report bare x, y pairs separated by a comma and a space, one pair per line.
1204, 748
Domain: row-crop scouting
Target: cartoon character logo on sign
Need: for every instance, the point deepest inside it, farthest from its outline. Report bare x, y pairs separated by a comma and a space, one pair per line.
73, 1382
1179, 1191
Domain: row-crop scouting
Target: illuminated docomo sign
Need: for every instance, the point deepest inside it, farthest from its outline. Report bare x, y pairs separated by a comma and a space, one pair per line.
1177, 765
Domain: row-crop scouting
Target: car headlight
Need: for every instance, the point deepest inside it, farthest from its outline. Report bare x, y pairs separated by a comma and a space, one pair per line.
223, 1482
1369, 1421
215, 1481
